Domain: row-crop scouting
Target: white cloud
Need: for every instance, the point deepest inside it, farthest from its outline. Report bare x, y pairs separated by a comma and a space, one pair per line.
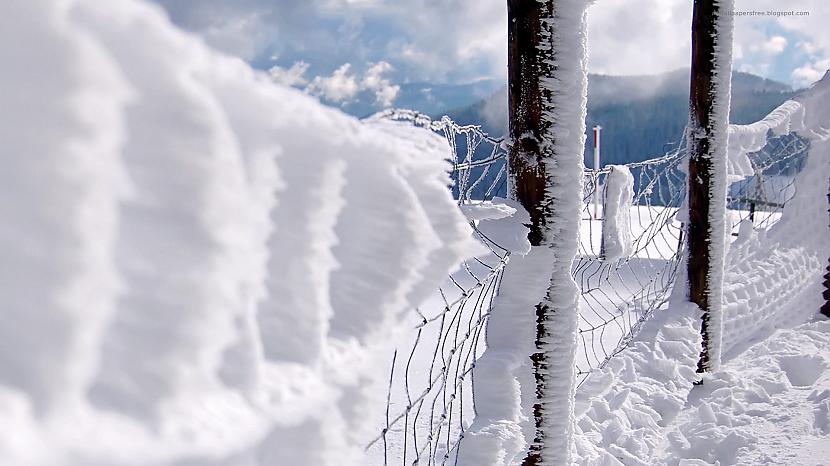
812, 40
774, 45
294, 76
343, 85
810, 72
639, 36
385, 91
462, 40
340, 87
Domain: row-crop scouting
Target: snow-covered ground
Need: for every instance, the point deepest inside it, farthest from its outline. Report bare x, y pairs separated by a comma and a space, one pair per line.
767, 404
770, 405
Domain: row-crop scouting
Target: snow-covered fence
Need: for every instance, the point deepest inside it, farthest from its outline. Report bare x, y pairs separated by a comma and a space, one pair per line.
774, 267
432, 381
760, 197
618, 294
619, 291
430, 398
772, 279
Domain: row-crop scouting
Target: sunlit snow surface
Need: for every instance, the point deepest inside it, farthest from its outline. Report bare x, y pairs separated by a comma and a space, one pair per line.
199, 267
767, 404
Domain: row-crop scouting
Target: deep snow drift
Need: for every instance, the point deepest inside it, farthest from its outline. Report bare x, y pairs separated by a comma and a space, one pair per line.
199, 267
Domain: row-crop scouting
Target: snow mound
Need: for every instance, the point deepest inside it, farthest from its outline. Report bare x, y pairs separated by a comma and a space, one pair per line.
200, 267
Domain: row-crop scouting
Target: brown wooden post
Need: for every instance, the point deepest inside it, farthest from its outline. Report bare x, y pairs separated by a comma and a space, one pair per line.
525, 103
536, 89
527, 164
708, 125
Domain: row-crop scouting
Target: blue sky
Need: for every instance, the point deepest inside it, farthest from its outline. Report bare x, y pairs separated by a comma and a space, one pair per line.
338, 44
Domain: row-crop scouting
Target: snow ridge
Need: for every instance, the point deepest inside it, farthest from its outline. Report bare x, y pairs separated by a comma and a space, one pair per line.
201, 267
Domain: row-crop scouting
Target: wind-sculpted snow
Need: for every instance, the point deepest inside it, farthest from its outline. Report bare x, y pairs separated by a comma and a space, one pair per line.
745, 139
200, 267
773, 277
622, 409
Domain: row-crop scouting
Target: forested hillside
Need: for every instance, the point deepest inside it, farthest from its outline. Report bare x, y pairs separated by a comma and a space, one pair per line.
641, 116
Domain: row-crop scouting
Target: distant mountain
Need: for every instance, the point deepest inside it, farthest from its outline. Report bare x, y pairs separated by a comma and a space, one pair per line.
641, 116
428, 98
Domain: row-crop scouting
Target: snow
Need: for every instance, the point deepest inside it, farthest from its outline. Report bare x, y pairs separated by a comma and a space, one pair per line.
508, 232
718, 152
717, 133
616, 225
767, 272
745, 139
562, 142
505, 387
767, 404
204, 268
201, 267
623, 408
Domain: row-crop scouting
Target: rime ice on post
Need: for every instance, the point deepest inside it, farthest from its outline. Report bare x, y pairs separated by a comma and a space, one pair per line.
707, 146
547, 91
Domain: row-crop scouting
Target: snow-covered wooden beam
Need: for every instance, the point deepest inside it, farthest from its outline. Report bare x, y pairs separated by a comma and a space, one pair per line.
547, 100
711, 70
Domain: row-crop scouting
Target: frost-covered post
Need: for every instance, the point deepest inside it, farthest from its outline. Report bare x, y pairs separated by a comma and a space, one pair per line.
547, 99
707, 137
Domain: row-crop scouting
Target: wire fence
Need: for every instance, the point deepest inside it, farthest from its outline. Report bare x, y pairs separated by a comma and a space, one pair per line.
618, 294
761, 197
431, 397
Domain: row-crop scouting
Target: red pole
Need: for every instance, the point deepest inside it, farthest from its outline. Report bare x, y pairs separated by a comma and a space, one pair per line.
825, 309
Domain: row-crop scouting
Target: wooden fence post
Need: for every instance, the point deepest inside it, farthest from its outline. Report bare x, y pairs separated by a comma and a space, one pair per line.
547, 94
708, 125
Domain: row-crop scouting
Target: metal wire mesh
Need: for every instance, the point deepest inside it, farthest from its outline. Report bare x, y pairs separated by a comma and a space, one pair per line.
760, 198
617, 295
431, 384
